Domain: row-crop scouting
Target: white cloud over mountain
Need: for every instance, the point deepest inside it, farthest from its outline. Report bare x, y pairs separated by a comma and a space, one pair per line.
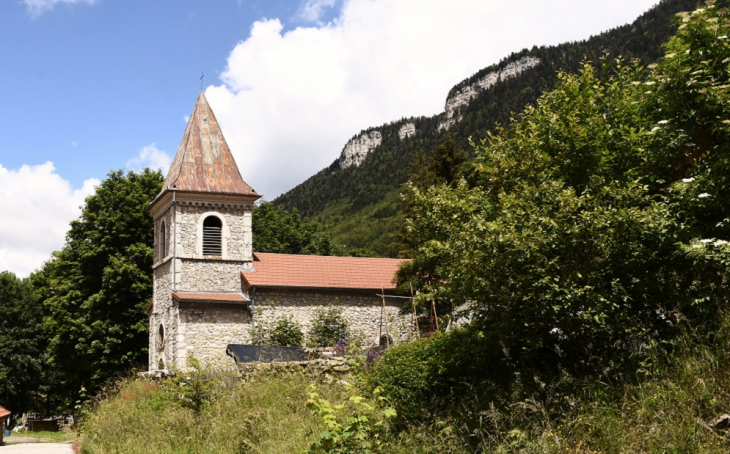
290, 100
37, 206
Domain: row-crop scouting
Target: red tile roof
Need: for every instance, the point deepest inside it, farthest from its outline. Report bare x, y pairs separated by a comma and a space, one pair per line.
316, 271
203, 162
209, 297
4, 412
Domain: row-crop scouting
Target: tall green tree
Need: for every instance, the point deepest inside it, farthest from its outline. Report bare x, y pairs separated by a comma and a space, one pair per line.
23, 343
98, 286
579, 235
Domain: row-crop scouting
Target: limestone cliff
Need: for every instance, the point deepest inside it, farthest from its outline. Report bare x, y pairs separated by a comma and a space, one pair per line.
464, 96
407, 130
358, 148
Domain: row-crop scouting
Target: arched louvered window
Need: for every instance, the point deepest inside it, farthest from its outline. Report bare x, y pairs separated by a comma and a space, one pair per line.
163, 241
212, 227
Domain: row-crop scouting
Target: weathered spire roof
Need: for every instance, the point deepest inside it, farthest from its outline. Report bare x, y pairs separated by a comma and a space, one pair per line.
204, 162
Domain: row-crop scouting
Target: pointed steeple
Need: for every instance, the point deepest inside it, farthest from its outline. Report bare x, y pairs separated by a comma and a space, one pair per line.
204, 162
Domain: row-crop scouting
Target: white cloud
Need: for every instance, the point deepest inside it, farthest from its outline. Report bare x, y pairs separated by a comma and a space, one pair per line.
152, 157
289, 101
37, 205
38, 7
312, 10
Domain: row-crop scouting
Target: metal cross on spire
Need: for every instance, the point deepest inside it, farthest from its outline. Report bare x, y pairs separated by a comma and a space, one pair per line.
201, 80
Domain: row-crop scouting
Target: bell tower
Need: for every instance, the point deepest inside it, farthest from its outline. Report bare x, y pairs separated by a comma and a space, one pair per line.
203, 241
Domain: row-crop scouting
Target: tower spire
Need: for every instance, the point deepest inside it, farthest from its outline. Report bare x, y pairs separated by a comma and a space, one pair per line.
203, 162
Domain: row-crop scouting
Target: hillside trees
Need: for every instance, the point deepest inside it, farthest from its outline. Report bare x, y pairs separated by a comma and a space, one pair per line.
278, 230
597, 223
98, 286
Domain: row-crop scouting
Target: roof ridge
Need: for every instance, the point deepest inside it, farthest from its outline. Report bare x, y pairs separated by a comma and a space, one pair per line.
328, 256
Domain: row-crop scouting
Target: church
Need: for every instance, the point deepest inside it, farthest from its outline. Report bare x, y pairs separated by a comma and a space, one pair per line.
211, 288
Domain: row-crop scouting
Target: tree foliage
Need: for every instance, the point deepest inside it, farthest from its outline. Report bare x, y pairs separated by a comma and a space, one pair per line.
22, 344
280, 231
329, 327
577, 235
98, 286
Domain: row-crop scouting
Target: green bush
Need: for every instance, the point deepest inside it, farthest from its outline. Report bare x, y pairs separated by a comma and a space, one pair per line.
439, 372
356, 425
283, 331
329, 327
195, 386
287, 332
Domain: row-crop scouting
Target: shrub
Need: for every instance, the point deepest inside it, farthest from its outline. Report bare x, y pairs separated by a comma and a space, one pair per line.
355, 425
440, 373
328, 328
287, 332
195, 387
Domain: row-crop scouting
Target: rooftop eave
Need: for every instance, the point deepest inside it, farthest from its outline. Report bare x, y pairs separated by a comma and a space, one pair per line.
252, 196
248, 285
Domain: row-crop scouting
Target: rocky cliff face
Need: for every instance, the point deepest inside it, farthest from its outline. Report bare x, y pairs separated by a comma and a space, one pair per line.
358, 148
407, 130
464, 96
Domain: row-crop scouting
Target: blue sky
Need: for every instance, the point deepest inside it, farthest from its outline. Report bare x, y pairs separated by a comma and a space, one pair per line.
95, 85
86, 86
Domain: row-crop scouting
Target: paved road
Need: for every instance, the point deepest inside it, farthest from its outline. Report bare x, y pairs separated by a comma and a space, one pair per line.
37, 448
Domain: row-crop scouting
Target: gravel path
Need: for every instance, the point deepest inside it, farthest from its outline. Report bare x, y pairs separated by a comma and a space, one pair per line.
37, 448
15, 440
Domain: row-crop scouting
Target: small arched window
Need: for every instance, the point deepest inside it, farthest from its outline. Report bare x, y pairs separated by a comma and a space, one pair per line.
386, 340
212, 227
161, 338
163, 241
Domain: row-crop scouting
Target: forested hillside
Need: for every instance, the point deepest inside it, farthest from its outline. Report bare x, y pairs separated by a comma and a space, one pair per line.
359, 205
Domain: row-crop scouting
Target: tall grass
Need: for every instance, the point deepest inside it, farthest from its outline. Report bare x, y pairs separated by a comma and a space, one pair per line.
666, 407
266, 415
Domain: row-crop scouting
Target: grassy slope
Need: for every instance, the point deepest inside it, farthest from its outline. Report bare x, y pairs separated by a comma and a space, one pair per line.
670, 409
359, 205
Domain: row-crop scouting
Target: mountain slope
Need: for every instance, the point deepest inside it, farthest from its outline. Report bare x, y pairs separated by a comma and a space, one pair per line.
357, 196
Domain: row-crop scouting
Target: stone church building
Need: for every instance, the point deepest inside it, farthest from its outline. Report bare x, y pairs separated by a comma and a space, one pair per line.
210, 287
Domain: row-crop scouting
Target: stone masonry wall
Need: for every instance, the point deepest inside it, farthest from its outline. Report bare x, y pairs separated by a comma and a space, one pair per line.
163, 312
361, 308
206, 330
212, 275
237, 236
166, 217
